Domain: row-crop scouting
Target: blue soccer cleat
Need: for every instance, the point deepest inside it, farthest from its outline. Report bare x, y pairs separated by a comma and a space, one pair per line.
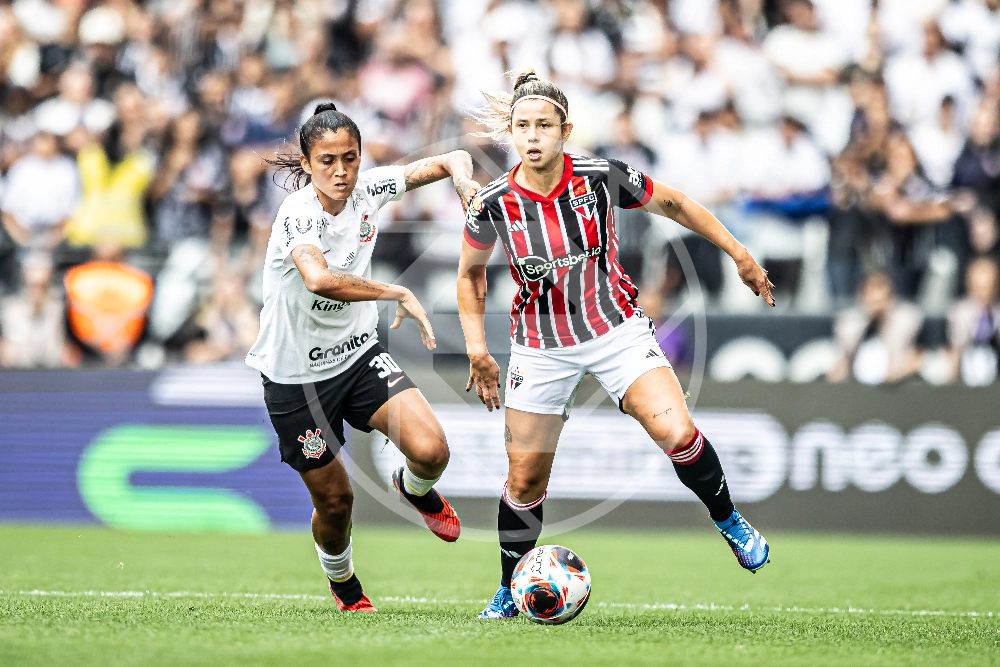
501, 606
748, 545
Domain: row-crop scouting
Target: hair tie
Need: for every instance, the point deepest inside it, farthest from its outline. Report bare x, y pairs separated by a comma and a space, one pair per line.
539, 97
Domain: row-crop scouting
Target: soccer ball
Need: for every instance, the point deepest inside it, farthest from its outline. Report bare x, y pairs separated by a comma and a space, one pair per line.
550, 585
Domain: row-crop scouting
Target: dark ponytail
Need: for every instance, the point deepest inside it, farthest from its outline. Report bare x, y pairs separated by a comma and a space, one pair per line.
497, 114
325, 119
528, 83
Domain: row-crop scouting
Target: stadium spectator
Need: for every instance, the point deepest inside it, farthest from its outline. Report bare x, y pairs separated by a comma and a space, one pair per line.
750, 79
977, 168
938, 144
187, 196
975, 25
877, 337
32, 324
974, 325
41, 193
918, 82
227, 323
114, 174
785, 175
810, 62
912, 212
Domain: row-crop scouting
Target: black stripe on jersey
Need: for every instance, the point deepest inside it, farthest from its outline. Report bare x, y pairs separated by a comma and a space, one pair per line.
519, 326
608, 304
536, 246
492, 188
574, 242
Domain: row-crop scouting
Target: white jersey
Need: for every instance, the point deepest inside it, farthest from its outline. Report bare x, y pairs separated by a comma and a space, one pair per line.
304, 337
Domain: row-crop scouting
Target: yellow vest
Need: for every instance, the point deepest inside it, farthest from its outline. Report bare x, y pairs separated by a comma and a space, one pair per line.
111, 210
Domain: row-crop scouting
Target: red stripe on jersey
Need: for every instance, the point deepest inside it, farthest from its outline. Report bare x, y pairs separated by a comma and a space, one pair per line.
476, 244
558, 301
593, 239
529, 312
647, 195
615, 272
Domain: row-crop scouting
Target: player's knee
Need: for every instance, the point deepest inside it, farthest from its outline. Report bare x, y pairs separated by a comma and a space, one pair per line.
335, 505
433, 455
676, 433
526, 487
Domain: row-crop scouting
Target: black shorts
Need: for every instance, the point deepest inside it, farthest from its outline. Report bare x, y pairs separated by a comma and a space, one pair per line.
353, 396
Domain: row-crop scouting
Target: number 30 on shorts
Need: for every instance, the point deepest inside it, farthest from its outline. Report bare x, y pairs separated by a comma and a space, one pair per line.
385, 365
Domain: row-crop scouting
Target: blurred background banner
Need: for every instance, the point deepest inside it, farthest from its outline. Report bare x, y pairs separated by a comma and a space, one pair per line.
190, 449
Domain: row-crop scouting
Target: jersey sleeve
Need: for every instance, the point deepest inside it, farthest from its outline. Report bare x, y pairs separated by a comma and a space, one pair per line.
383, 184
629, 187
479, 229
297, 228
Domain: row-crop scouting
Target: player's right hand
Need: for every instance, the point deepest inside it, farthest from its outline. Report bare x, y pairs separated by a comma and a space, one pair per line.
484, 374
409, 307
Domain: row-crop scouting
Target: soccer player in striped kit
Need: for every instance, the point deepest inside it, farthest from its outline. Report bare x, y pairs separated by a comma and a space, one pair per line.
576, 312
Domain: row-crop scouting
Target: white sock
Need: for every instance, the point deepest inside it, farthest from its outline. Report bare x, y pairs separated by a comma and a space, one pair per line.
338, 568
416, 486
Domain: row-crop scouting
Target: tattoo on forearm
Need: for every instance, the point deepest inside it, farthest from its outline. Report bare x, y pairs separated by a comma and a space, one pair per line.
423, 172
507, 435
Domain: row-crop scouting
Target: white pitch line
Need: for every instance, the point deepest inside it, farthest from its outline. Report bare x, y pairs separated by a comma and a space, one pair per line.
656, 606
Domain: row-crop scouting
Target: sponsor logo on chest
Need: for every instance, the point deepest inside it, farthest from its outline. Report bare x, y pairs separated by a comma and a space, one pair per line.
376, 189
328, 306
536, 268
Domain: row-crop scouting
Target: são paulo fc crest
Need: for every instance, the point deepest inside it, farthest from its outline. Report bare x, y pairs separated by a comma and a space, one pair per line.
313, 446
367, 231
582, 201
516, 377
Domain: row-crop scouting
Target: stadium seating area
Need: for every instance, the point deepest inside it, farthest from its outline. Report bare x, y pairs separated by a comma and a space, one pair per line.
853, 146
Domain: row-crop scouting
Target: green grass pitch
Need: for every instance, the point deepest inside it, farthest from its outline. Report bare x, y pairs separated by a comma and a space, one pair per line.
674, 598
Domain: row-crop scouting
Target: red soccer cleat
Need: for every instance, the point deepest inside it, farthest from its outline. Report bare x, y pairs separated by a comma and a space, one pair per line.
445, 524
364, 605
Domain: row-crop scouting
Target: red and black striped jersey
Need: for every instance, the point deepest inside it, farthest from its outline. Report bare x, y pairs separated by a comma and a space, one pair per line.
562, 249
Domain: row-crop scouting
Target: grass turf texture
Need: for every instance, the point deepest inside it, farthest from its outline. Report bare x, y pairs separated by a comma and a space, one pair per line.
630, 570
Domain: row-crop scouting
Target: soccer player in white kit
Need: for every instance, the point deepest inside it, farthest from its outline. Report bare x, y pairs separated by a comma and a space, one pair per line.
576, 312
318, 350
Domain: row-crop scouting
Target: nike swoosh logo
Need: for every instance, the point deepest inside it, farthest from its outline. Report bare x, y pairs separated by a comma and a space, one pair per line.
392, 383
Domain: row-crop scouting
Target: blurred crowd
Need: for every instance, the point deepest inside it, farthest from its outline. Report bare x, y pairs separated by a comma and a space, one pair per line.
852, 145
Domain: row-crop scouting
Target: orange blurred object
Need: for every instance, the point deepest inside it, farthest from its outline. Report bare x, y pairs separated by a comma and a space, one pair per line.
107, 304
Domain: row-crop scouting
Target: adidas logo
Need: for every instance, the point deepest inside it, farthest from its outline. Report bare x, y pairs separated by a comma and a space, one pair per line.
510, 554
653, 353
517, 227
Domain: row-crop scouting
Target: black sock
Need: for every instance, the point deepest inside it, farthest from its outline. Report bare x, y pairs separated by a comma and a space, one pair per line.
430, 502
704, 476
519, 531
348, 591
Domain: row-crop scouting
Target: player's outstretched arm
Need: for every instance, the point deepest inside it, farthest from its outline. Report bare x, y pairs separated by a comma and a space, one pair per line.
457, 164
674, 204
484, 373
325, 282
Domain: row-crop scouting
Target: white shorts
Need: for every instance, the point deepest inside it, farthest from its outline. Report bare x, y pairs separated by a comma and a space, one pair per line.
543, 381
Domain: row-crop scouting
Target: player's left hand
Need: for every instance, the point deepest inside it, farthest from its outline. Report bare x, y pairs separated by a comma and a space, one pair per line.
409, 307
754, 276
466, 189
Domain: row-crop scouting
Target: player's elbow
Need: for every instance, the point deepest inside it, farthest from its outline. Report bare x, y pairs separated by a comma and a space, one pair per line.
313, 281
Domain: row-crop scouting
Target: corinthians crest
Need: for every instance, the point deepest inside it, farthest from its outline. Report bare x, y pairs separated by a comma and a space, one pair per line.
367, 230
313, 446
